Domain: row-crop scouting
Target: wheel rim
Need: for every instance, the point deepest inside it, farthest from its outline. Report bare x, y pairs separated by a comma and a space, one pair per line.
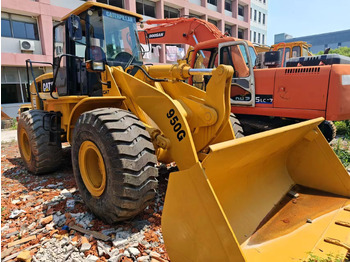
25, 145
92, 168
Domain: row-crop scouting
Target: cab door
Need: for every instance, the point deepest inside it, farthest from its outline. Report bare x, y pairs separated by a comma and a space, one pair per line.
237, 55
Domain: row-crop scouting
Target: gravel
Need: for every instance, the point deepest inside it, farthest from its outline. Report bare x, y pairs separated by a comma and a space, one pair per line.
53, 199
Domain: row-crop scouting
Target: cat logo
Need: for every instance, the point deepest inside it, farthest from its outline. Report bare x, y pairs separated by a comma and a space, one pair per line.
47, 83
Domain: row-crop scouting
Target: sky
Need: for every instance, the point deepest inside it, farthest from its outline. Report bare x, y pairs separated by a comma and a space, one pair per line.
306, 17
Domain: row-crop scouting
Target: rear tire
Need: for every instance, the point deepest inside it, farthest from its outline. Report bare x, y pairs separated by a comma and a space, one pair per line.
328, 129
114, 163
236, 125
38, 155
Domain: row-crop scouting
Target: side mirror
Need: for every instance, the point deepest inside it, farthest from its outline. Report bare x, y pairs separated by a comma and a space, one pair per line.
74, 28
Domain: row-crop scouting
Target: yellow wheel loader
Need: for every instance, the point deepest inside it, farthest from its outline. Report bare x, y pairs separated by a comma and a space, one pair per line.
280, 195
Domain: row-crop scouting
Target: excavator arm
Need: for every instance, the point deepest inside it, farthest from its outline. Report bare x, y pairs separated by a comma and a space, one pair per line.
181, 30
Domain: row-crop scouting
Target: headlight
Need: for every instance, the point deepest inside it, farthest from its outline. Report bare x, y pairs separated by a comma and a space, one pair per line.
92, 66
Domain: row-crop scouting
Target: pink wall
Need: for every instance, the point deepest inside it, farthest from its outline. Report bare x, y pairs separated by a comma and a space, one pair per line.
45, 12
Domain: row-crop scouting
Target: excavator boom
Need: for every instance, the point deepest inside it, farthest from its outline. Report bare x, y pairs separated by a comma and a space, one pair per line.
180, 31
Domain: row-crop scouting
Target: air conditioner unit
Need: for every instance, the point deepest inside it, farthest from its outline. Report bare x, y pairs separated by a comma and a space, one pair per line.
26, 45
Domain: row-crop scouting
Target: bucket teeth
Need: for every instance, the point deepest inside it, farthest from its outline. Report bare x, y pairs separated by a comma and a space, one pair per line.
337, 242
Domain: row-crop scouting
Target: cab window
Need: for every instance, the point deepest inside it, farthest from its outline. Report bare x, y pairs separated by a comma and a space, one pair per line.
296, 51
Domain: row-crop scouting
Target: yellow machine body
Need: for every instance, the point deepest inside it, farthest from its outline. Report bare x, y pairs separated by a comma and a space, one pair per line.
225, 202
229, 200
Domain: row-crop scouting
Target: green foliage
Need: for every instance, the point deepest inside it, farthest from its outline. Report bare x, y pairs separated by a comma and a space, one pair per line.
14, 124
343, 128
329, 258
342, 153
341, 51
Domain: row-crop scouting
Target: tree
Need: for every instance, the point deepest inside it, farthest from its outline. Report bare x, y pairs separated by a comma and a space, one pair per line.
341, 51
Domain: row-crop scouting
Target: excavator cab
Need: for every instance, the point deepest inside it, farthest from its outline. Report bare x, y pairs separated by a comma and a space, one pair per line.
237, 54
82, 48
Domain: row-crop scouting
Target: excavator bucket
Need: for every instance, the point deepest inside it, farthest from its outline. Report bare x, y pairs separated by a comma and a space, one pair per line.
281, 195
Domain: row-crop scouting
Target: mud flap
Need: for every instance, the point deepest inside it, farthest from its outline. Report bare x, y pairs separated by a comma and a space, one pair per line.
212, 209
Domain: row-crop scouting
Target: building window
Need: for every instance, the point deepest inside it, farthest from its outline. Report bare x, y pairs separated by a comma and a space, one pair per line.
117, 3
326, 46
259, 38
17, 26
145, 7
255, 15
254, 37
339, 44
228, 29
240, 10
213, 22
240, 33
170, 12
259, 17
250, 36
228, 5
13, 88
264, 1
263, 19
213, 2
263, 39
251, 13
196, 16
6, 28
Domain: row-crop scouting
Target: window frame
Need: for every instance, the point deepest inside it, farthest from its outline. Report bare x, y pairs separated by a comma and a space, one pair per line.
148, 3
240, 7
228, 3
228, 27
255, 15
107, 2
212, 2
12, 31
240, 30
171, 9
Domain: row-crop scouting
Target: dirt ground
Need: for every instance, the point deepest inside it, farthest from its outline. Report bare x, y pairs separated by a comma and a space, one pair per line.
38, 214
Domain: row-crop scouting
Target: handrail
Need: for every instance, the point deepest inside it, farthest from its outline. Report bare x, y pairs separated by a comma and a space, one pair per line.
28, 61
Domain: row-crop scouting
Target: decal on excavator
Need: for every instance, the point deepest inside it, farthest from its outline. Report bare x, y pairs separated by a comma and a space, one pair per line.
156, 35
263, 99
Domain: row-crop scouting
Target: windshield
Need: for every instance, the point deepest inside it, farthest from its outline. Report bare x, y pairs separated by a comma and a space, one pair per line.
113, 37
252, 55
121, 35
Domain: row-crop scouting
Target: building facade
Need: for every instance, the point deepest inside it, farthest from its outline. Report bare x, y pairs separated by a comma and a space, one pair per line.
258, 21
319, 42
27, 33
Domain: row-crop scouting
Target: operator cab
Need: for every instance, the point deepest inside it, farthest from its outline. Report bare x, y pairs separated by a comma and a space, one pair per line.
237, 54
92, 36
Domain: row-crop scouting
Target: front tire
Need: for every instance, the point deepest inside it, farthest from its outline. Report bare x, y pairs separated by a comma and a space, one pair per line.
236, 125
38, 154
114, 163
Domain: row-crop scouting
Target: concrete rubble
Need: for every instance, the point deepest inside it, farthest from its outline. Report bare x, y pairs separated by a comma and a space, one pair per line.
43, 218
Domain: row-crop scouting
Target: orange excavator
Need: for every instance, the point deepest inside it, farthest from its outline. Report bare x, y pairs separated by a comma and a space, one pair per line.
267, 98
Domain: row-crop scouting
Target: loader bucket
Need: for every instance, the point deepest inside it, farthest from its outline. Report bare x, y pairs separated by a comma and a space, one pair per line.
281, 195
